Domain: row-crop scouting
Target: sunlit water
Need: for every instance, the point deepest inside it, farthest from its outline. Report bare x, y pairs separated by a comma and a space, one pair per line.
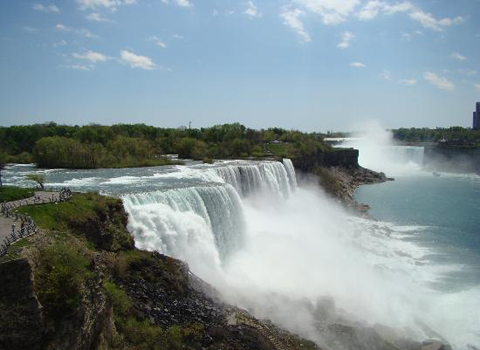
275, 247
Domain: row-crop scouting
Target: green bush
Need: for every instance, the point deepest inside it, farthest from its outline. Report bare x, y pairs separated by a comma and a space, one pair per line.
142, 335
10, 193
59, 280
118, 297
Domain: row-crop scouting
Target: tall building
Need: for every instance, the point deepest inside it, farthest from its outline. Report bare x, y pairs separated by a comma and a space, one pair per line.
476, 117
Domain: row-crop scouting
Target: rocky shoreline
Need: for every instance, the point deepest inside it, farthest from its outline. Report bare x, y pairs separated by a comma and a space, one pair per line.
342, 182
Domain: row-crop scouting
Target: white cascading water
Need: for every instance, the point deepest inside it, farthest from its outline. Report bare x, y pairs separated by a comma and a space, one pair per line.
271, 177
217, 207
275, 248
204, 224
379, 152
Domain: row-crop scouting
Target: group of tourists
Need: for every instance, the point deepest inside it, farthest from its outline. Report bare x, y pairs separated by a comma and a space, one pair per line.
26, 224
6, 209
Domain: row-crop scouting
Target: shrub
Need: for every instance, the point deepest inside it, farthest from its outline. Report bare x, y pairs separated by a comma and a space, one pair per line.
59, 280
10, 193
118, 297
142, 335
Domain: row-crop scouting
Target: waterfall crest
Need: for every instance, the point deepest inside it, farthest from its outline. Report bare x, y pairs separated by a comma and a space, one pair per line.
272, 177
205, 220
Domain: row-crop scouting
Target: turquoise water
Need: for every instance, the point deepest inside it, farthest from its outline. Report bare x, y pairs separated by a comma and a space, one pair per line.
444, 213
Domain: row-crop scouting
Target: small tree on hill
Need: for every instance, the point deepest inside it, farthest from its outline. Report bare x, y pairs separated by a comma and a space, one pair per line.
39, 179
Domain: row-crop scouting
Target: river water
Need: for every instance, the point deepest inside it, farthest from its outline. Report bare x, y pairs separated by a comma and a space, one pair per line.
439, 212
276, 247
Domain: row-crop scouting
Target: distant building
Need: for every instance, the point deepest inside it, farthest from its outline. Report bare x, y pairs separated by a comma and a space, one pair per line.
476, 117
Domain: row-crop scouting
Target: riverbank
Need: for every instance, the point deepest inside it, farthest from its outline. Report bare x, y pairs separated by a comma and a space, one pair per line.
342, 182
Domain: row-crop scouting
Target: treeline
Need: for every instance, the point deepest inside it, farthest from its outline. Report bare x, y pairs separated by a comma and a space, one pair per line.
435, 135
92, 146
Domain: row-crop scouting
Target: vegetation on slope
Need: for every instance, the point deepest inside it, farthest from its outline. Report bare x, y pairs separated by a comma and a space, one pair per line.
434, 135
11, 193
93, 146
98, 292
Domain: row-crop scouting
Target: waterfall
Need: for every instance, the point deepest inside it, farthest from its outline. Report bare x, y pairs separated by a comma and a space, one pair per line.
205, 220
379, 152
214, 208
291, 172
272, 177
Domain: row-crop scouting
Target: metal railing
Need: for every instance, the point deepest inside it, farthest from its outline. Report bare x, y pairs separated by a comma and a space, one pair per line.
27, 225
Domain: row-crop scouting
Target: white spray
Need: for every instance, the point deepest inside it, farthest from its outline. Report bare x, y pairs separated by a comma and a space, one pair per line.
277, 250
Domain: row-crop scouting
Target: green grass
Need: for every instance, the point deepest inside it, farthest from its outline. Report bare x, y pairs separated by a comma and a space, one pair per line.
280, 150
11, 193
101, 220
119, 299
13, 251
60, 278
57, 216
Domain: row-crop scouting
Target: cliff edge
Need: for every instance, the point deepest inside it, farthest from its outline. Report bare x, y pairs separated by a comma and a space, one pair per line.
79, 283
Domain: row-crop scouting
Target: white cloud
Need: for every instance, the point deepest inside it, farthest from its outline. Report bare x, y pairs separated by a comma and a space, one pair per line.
136, 61
177, 36
470, 72
30, 29
61, 27
82, 31
458, 56
357, 65
407, 81
439, 82
60, 43
79, 67
111, 5
92, 56
165, 2
428, 21
46, 9
215, 13
375, 7
97, 17
386, 75
406, 37
86, 33
252, 10
157, 42
477, 86
370, 10
184, 3
291, 19
346, 37
331, 11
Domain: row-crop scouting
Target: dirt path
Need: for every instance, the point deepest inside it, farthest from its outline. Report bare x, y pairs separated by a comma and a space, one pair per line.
38, 198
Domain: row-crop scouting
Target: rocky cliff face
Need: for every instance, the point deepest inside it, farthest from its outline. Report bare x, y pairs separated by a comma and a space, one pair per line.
86, 287
338, 157
21, 319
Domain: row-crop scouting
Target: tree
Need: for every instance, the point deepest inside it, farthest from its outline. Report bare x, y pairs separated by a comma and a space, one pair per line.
39, 179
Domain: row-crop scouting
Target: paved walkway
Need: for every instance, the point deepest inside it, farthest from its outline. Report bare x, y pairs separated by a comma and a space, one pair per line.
38, 198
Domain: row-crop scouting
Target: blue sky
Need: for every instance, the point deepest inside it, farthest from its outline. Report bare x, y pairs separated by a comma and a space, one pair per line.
313, 65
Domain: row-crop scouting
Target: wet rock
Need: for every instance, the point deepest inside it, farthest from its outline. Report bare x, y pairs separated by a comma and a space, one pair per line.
433, 344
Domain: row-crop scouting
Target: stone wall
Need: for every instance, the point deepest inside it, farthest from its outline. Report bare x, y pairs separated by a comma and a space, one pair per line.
339, 157
21, 321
